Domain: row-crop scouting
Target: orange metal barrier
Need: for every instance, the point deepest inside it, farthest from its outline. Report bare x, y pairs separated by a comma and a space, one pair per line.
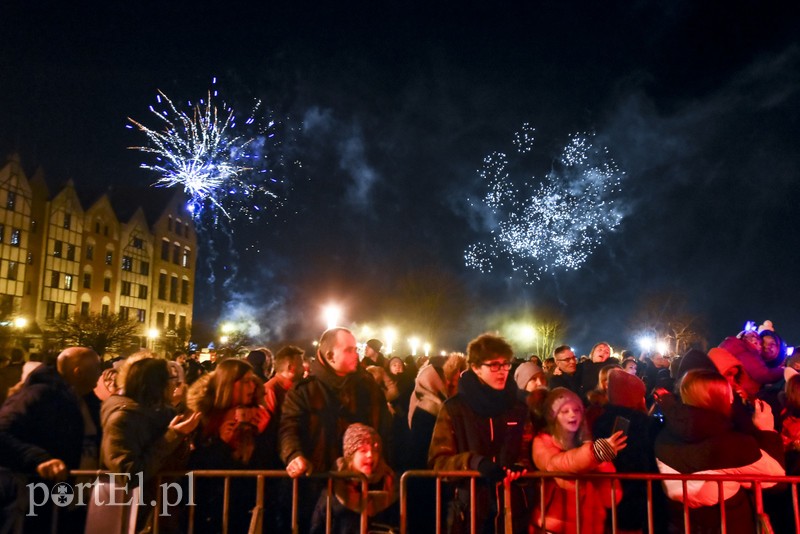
258, 520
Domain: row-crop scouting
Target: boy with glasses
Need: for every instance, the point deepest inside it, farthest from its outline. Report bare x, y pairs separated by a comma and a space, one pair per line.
484, 428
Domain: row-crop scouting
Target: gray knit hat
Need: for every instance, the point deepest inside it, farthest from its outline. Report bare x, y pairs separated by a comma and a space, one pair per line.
525, 373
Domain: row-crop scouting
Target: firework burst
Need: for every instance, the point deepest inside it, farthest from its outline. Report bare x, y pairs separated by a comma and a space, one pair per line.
202, 152
553, 224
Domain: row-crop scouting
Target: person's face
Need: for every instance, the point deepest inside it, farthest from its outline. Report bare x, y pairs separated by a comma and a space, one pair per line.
181, 359
365, 459
345, 354
176, 390
493, 372
297, 369
87, 373
244, 389
769, 348
660, 361
601, 353
369, 353
631, 368
537, 382
570, 417
567, 362
396, 367
549, 366
753, 340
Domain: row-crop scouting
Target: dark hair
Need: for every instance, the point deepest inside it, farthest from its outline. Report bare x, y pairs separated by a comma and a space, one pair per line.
486, 347
560, 349
146, 381
793, 395
286, 356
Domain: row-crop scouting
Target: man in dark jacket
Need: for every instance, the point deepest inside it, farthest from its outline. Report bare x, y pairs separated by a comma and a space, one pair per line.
318, 410
566, 373
44, 425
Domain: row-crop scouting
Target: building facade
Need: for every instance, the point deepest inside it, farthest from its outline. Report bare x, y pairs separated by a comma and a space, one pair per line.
60, 257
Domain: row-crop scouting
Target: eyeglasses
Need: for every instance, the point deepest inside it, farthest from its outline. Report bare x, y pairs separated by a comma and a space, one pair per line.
496, 366
570, 359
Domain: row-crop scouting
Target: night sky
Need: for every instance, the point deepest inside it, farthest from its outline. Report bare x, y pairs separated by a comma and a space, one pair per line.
396, 104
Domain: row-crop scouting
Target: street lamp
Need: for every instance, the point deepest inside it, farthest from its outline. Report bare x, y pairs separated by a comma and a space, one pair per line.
331, 314
152, 335
413, 342
389, 335
427, 348
646, 343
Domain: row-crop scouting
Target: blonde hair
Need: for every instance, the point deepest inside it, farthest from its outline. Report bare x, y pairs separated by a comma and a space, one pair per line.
706, 389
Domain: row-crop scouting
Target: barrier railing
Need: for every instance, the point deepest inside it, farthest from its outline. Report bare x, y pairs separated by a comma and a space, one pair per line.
258, 522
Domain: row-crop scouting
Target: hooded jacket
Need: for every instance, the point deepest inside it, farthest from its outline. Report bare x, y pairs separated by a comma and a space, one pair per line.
318, 410
481, 422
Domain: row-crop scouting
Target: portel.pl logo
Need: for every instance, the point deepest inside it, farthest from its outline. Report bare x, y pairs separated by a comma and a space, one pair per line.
110, 490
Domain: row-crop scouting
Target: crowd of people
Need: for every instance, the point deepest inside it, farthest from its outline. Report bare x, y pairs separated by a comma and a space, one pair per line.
734, 409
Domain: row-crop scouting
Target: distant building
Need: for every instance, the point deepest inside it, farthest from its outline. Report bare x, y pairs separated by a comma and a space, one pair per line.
130, 251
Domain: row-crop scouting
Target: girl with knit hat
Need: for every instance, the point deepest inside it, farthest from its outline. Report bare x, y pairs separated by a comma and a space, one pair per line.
567, 447
362, 454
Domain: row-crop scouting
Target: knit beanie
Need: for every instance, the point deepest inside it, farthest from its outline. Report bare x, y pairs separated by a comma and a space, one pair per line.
725, 361
694, 359
525, 373
557, 398
375, 344
626, 390
358, 435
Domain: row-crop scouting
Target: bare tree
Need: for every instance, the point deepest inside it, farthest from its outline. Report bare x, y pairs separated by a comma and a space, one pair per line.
668, 317
548, 332
103, 333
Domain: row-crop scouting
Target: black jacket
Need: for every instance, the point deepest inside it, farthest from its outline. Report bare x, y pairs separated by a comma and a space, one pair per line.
41, 422
318, 410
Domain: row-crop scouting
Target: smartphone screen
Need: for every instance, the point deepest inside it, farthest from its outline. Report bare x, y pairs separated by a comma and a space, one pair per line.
621, 423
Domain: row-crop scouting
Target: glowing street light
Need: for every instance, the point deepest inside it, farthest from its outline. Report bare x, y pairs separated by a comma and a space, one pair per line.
427, 348
662, 347
413, 342
389, 335
227, 328
223, 339
646, 343
331, 314
20, 322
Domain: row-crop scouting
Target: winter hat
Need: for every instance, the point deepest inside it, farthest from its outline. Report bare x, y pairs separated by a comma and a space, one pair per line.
375, 344
739, 348
358, 435
767, 329
526, 372
725, 362
626, 390
557, 398
695, 359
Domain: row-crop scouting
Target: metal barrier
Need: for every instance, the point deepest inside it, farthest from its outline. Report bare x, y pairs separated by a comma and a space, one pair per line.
257, 517
755, 481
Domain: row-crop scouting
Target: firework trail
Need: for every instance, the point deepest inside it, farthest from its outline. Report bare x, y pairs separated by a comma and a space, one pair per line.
552, 225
